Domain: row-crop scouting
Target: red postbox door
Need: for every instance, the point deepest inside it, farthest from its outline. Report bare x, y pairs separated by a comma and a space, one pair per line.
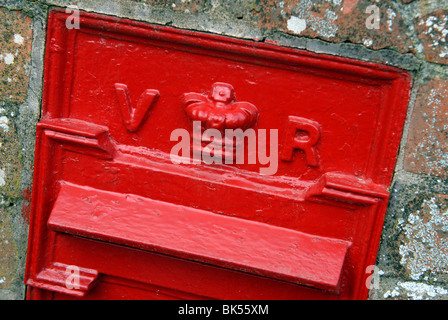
173, 164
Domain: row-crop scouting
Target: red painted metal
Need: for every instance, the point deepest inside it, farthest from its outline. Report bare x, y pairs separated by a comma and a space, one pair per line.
219, 110
59, 277
199, 235
109, 202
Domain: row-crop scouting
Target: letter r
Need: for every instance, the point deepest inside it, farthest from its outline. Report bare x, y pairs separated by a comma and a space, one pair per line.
305, 143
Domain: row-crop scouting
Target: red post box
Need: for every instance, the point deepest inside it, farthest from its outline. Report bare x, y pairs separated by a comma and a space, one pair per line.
137, 190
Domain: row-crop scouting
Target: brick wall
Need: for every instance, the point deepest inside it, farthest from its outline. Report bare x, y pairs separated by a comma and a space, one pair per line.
412, 260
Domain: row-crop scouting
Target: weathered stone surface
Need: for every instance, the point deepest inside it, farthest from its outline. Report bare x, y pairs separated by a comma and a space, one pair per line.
13, 243
12, 227
413, 256
397, 289
8, 250
16, 119
377, 27
10, 164
432, 29
427, 145
181, 5
336, 21
15, 55
423, 234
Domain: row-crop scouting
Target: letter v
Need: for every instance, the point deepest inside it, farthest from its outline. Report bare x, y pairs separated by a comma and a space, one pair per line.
134, 117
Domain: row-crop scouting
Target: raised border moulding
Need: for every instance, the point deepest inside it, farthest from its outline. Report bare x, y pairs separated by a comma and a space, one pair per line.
115, 215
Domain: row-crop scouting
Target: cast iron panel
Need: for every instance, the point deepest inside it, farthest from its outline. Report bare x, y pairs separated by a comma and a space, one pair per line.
116, 216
